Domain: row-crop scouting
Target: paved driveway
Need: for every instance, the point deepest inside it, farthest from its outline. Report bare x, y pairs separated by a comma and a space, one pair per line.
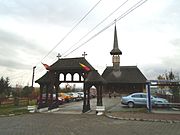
76, 107
84, 124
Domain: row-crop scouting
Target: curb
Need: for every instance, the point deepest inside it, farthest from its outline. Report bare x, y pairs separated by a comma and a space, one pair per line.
12, 114
53, 110
140, 119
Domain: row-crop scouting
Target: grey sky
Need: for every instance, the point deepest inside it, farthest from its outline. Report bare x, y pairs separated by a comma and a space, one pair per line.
149, 37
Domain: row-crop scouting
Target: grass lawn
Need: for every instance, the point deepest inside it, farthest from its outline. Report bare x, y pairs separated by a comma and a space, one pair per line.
9, 109
142, 110
16, 110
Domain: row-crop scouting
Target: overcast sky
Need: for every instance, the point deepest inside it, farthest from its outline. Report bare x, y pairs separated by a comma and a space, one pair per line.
149, 37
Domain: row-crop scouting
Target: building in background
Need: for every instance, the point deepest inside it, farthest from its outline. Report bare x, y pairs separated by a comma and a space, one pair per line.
122, 79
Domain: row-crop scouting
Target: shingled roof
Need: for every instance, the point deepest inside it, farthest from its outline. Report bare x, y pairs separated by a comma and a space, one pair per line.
44, 79
65, 65
95, 78
70, 64
126, 74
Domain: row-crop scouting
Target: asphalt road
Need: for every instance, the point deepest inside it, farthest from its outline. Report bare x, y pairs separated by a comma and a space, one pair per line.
75, 123
76, 107
81, 124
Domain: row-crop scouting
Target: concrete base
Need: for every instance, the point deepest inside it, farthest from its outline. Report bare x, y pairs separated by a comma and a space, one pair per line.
42, 109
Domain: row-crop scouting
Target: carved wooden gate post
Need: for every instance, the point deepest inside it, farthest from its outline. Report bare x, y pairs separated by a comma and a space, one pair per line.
86, 102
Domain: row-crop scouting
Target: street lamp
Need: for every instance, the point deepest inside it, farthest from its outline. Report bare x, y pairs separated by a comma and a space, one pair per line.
33, 76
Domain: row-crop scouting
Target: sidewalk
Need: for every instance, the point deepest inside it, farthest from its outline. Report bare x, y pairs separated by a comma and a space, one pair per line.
140, 114
144, 116
115, 110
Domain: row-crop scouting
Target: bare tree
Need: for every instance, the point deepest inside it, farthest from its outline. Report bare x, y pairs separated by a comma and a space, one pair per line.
175, 89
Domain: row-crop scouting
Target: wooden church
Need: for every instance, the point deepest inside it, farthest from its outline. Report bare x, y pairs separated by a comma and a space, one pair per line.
116, 78
122, 79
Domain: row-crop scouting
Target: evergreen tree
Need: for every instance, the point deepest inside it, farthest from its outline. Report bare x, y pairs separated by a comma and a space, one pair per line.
27, 91
5, 88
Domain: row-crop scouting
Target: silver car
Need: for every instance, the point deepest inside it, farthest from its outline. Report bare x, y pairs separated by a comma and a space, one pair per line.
140, 99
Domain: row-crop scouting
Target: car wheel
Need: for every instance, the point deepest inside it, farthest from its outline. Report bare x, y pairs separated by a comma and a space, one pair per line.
130, 104
159, 105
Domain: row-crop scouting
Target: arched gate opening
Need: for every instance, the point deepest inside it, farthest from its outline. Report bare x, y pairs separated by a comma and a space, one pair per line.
69, 71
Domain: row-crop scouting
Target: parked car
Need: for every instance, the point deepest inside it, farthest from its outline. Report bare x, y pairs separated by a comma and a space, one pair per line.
66, 97
81, 94
75, 96
140, 99
60, 99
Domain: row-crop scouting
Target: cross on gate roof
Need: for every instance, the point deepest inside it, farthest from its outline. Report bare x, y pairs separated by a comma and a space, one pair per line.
68, 64
71, 65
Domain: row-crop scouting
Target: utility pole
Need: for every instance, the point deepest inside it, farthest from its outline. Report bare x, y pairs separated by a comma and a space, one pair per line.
33, 76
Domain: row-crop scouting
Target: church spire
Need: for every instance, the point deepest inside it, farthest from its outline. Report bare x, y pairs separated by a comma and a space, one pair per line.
115, 52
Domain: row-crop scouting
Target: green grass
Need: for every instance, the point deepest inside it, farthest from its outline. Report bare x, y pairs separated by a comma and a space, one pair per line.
8, 110
132, 110
142, 110
33, 102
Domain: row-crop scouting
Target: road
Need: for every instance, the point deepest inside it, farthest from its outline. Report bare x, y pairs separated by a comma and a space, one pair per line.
81, 124
76, 107
69, 120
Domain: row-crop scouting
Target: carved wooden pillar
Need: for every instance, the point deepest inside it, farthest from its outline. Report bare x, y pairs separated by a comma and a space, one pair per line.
40, 103
88, 99
79, 77
57, 90
65, 76
100, 95
51, 85
72, 77
56, 85
41, 92
47, 94
84, 100
98, 89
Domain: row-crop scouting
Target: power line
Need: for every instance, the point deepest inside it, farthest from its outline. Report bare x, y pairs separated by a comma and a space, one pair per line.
70, 31
95, 27
138, 4
40, 70
119, 18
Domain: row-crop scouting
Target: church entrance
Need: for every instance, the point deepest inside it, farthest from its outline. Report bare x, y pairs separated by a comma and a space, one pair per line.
69, 70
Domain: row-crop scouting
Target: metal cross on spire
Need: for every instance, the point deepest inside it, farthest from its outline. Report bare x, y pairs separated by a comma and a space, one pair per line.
84, 54
59, 56
115, 21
